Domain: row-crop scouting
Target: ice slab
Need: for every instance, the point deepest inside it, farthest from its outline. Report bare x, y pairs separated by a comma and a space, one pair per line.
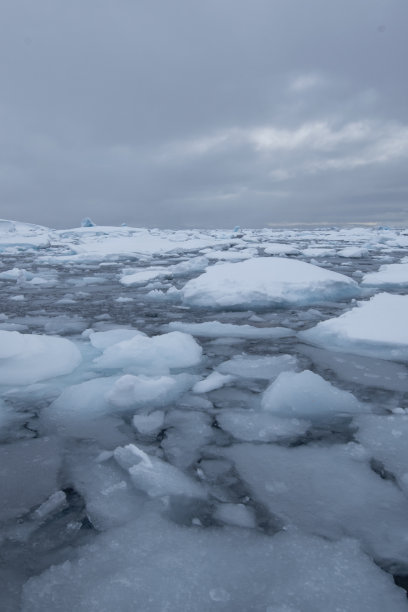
30, 358
163, 566
215, 329
156, 477
254, 366
391, 275
374, 328
330, 491
308, 395
267, 281
254, 426
28, 475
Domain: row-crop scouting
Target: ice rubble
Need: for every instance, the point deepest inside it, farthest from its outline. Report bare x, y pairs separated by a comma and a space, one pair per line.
29, 358
264, 282
376, 328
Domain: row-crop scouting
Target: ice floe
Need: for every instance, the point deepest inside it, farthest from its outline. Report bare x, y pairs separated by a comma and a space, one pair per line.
377, 328
266, 282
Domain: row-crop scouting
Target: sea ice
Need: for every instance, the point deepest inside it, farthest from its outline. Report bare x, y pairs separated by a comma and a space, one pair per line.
375, 328
265, 282
226, 569
29, 358
329, 491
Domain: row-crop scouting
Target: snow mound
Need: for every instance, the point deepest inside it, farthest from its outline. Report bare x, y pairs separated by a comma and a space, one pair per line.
264, 282
377, 328
30, 358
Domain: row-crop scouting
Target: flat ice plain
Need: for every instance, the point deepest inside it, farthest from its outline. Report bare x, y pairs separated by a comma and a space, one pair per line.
201, 420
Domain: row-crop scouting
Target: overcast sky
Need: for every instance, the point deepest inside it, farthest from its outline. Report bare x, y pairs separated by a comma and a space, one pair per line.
211, 113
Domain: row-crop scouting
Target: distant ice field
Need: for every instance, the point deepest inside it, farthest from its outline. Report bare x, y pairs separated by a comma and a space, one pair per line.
200, 420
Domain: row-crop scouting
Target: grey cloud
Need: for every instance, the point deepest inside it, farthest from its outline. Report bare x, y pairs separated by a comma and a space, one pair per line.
203, 113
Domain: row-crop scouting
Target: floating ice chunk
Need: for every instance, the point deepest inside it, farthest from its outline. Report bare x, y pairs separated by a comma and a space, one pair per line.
385, 437
123, 299
352, 251
16, 274
28, 475
143, 276
29, 358
162, 565
215, 329
267, 281
392, 275
330, 491
215, 380
144, 391
102, 340
238, 515
377, 328
255, 426
318, 252
148, 424
17, 298
231, 255
156, 355
194, 264
278, 248
54, 503
254, 366
307, 395
156, 477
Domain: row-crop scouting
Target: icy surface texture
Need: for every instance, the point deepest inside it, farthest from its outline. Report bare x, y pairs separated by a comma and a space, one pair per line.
201, 420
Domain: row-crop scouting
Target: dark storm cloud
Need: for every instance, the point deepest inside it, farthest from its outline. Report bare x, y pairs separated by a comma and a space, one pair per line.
203, 113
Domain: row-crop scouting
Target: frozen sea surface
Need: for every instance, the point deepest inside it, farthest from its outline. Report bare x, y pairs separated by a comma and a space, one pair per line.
203, 420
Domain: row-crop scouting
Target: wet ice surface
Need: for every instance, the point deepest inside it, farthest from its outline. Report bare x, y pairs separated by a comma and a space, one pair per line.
200, 449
